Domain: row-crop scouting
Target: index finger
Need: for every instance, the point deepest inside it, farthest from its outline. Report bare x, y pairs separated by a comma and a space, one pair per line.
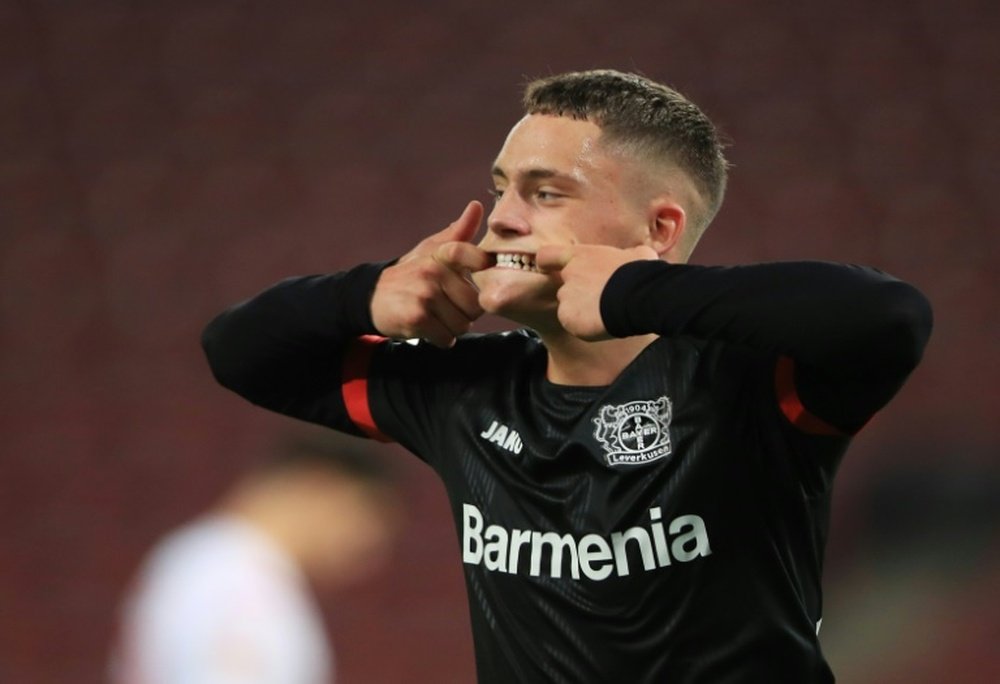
553, 257
462, 256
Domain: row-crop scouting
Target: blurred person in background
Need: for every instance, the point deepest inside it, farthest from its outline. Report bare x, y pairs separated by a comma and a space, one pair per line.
229, 597
641, 475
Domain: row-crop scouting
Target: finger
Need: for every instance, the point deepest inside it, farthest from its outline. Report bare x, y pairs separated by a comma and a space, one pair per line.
462, 257
437, 333
465, 227
447, 321
643, 252
463, 295
553, 258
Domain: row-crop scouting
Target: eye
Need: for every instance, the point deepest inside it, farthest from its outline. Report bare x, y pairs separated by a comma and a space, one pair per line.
496, 193
546, 195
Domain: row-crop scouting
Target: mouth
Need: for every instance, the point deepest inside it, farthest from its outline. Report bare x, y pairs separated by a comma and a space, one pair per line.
516, 261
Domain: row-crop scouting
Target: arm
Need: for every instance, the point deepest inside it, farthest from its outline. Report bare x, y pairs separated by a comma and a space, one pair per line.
851, 335
854, 334
286, 348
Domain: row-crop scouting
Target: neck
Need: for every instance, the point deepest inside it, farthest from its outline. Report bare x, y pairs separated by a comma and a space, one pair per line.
573, 361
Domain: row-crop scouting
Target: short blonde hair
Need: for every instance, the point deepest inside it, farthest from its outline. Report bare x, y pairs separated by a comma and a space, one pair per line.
649, 118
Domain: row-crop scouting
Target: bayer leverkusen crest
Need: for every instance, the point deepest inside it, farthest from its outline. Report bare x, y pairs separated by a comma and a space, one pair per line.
634, 433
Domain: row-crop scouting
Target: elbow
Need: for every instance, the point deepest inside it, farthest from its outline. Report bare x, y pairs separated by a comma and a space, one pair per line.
214, 346
909, 322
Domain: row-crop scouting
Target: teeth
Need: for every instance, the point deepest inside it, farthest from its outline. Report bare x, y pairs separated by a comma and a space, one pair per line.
518, 262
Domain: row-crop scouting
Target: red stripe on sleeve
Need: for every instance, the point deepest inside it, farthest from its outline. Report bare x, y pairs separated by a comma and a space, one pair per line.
791, 405
354, 386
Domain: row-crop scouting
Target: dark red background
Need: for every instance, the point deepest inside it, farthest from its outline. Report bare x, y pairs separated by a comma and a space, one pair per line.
160, 160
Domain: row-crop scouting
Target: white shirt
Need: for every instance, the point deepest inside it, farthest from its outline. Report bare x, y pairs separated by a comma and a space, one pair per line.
218, 603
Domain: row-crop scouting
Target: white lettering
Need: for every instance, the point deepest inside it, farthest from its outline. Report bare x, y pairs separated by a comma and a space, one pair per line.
601, 554
518, 539
513, 442
490, 430
499, 435
659, 539
503, 436
499, 549
496, 548
696, 533
556, 544
618, 541
472, 541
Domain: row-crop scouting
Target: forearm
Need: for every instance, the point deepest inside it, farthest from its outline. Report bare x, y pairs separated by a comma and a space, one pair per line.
283, 348
854, 333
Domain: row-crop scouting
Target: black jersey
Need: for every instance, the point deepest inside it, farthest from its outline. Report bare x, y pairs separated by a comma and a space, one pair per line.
668, 527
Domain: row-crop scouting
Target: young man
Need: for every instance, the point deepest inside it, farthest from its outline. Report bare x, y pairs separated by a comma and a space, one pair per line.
228, 597
641, 478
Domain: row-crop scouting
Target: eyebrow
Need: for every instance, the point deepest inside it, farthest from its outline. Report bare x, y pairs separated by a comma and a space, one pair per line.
535, 174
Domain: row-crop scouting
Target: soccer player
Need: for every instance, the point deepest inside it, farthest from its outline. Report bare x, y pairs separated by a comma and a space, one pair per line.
641, 476
228, 598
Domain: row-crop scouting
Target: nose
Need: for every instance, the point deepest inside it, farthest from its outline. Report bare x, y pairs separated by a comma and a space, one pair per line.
509, 216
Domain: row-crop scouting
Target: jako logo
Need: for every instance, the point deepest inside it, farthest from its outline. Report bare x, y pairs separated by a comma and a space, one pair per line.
499, 549
504, 436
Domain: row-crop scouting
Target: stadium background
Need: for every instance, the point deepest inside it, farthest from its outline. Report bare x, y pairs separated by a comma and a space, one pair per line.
160, 160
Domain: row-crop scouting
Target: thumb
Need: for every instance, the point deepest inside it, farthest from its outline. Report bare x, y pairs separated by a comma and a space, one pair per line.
465, 227
552, 258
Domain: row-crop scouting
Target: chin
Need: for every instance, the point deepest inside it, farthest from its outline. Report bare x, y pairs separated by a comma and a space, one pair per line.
523, 310
515, 294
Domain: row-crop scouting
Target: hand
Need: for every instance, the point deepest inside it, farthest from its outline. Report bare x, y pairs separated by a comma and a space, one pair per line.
427, 293
585, 270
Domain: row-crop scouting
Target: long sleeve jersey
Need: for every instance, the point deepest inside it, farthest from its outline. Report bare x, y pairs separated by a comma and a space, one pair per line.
668, 527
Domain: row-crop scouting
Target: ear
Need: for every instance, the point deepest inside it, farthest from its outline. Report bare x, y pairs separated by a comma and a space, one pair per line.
667, 223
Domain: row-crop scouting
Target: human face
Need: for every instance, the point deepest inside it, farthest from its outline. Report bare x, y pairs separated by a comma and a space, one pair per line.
353, 526
555, 184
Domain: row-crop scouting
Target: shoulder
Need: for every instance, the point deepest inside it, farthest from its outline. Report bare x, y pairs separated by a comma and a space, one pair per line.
707, 363
210, 559
701, 352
